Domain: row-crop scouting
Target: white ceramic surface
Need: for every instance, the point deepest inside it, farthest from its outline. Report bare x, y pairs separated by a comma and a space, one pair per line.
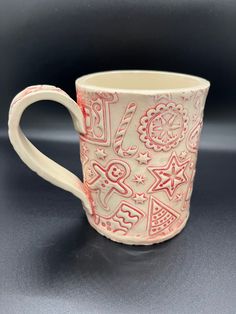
139, 136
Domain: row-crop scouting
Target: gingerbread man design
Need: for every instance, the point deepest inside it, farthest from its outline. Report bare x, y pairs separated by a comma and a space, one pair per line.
108, 180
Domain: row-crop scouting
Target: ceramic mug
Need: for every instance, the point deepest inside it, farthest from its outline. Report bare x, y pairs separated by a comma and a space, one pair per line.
139, 136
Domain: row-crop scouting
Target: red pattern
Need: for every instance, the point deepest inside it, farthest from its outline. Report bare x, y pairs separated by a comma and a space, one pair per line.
125, 217
169, 177
163, 127
35, 88
96, 109
121, 132
110, 179
161, 136
193, 138
161, 217
189, 191
162, 194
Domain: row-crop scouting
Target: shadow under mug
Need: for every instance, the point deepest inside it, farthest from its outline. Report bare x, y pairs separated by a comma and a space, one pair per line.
139, 136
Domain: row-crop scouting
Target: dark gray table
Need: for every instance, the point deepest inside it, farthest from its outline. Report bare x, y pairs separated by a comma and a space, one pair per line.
52, 261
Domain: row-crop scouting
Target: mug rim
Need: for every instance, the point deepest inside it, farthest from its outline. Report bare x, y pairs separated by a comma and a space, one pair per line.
201, 83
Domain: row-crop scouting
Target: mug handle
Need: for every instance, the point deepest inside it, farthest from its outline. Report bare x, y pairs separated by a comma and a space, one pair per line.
33, 158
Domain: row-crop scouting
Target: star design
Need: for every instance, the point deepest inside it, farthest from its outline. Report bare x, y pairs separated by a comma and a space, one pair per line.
90, 172
100, 153
84, 148
139, 179
178, 197
143, 158
183, 155
191, 165
187, 96
108, 180
169, 177
140, 198
83, 152
195, 116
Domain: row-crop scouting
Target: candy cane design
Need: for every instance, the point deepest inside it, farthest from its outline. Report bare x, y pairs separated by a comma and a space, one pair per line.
193, 137
121, 131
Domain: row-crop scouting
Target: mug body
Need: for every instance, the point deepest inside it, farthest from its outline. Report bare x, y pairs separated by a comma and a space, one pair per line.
139, 151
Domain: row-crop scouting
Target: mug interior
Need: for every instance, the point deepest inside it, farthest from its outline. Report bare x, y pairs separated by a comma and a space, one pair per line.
138, 80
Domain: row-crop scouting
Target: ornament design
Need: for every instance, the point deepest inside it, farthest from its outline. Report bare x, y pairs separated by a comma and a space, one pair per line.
163, 127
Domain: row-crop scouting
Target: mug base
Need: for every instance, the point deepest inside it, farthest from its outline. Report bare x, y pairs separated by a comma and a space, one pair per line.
138, 241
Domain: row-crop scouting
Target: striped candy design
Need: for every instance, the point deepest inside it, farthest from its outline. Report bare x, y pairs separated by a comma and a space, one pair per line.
121, 131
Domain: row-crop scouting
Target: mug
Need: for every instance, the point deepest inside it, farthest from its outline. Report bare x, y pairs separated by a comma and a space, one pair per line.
139, 136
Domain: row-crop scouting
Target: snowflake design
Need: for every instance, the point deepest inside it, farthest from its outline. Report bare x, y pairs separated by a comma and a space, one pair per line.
163, 127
